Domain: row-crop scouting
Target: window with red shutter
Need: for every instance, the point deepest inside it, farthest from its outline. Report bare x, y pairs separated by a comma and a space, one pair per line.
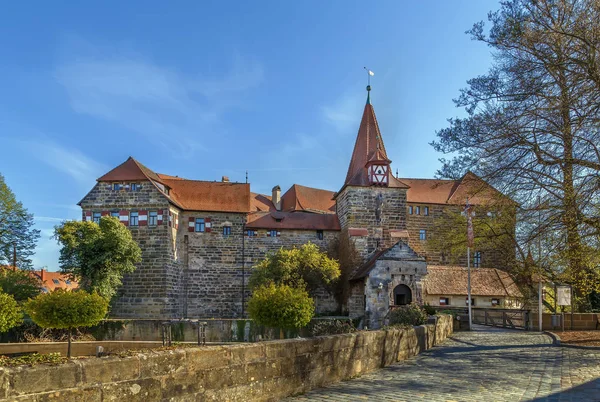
207, 225
191, 224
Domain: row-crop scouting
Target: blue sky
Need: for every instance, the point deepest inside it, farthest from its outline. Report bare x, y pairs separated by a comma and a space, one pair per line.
205, 89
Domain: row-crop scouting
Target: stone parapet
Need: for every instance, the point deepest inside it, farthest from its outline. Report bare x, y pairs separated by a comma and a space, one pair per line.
248, 372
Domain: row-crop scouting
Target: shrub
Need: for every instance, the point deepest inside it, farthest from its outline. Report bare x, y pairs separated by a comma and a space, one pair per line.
332, 327
430, 310
411, 314
281, 306
67, 310
10, 313
32, 359
20, 284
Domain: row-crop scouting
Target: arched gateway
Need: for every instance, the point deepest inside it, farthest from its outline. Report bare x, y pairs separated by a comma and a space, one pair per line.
402, 295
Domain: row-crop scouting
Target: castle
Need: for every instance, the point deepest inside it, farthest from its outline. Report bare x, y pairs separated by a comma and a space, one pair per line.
200, 239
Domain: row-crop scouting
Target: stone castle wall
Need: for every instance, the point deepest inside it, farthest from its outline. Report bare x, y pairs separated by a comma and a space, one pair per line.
146, 291
356, 209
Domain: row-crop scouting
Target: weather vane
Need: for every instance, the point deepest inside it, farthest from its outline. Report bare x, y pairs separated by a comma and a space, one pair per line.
369, 75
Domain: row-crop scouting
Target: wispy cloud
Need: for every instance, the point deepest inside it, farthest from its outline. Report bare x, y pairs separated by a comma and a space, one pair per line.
162, 104
344, 113
66, 160
49, 219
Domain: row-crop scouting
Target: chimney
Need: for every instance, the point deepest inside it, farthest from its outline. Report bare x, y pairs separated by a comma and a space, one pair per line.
42, 274
276, 197
225, 179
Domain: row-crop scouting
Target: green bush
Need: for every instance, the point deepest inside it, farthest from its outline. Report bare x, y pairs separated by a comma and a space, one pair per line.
411, 314
20, 284
10, 313
32, 359
332, 327
281, 306
430, 310
67, 310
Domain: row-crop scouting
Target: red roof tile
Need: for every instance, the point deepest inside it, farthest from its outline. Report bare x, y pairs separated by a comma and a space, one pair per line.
130, 170
292, 220
308, 199
261, 202
451, 280
454, 192
195, 195
369, 146
55, 280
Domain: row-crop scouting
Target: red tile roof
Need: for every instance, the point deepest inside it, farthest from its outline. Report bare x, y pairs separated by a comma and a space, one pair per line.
195, 195
55, 280
130, 170
308, 199
261, 202
369, 146
451, 280
455, 192
292, 220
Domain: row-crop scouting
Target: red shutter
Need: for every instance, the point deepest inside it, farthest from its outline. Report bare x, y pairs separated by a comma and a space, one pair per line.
143, 221
207, 225
124, 213
170, 219
191, 224
105, 213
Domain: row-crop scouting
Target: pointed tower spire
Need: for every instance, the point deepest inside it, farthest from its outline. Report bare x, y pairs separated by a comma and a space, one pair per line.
369, 151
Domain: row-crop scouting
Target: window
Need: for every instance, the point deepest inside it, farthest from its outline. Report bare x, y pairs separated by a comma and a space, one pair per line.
68, 282
114, 214
320, 234
133, 218
467, 301
200, 225
134, 187
97, 216
495, 302
251, 233
426, 211
152, 218
444, 301
410, 210
116, 186
422, 234
272, 233
56, 282
477, 259
417, 210
226, 230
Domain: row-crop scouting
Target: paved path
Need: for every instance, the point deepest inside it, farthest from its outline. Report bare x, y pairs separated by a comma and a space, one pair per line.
483, 365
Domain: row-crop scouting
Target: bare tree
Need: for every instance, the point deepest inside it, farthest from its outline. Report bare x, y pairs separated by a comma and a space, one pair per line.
533, 129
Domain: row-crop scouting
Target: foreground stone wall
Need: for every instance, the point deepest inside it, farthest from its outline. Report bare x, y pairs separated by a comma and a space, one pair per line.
251, 372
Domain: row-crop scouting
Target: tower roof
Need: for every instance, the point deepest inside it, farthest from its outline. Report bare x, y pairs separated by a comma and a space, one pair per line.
369, 147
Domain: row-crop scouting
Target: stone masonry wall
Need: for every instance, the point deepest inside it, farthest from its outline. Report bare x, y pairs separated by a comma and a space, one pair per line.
490, 258
356, 209
146, 291
212, 262
262, 371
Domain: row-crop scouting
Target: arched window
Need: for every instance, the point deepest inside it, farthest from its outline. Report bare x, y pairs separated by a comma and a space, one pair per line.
402, 295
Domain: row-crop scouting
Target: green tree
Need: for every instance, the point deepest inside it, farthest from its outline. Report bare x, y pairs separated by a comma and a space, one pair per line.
281, 306
532, 129
62, 309
17, 236
22, 285
97, 255
344, 251
305, 267
10, 313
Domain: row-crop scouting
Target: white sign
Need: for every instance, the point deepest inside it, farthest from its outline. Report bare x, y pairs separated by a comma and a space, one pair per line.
563, 295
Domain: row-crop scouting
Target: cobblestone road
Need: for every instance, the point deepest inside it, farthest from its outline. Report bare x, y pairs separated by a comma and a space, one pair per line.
483, 365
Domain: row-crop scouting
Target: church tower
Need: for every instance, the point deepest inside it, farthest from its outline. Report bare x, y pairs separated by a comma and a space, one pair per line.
371, 204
